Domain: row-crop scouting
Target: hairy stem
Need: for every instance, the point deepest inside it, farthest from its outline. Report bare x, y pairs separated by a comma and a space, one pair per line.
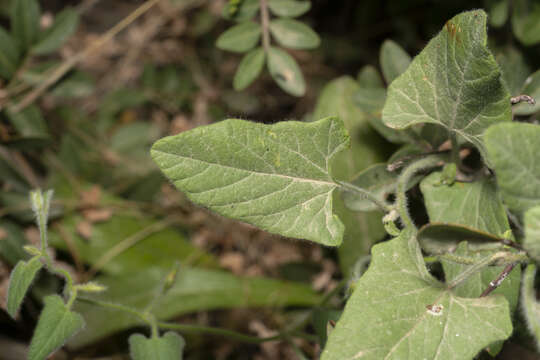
498, 281
366, 194
488, 260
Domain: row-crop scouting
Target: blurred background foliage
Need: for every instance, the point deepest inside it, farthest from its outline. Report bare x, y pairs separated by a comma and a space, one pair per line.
86, 134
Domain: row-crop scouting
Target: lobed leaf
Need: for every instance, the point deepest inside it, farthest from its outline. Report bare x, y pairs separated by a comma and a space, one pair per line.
275, 177
286, 72
56, 324
63, 27
454, 82
20, 280
240, 38
249, 68
294, 34
289, 8
170, 346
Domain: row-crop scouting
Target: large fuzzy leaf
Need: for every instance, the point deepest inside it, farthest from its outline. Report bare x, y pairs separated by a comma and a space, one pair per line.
454, 82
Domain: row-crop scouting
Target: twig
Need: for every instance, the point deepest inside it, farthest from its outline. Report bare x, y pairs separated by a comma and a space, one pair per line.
521, 98
265, 24
497, 282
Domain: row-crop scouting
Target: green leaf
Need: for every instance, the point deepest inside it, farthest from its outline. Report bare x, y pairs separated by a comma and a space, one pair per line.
531, 307
29, 122
294, 34
275, 177
368, 77
25, 16
249, 69
9, 55
240, 38
289, 8
394, 60
402, 303
377, 180
286, 72
194, 290
65, 24
514, 68
513, 151
20, 280
530, 87
321, 318
532, 232
454, 82
170, 346
245, 11
56, 324
498, 12
11, 245
526, 21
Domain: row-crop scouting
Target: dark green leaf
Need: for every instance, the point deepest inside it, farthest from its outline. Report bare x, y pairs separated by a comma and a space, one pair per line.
275, 177
394, 60
29, 122
289, 8
286, 72
9, 55
294, 34
532, 232
25, 16
526, 21
240, 38
20, 280
498, 12
249, 69
170, 346
513, 151
56, 324
12, 241
454, 82
63, 27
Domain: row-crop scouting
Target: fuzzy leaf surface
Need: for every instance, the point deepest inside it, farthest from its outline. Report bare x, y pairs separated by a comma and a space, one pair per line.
395, 297
454, 82
20, 280
276, 177
170, 346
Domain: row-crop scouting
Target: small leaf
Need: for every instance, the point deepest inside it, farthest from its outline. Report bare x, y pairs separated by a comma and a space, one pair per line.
294, 34
29, 122
56, 324
513, 151
286, 72
63, 27
249, 69
289, 8
531, 307
369, 77
20, 280
530, 87
498, 12
394, 60
526, 21
170, 346
454, 82
403, 304
25, 21
245, 11
9, 54
375, 179
275, 177
532, 232
240, 38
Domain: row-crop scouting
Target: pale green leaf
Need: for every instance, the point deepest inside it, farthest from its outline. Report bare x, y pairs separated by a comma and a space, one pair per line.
245, 10
294, 34
394, 60
454, 82
532, 232
513, 150
369, 77
286, 72
526, 21
63, 27
531, 87
170, 346
240, 38
531, 307
20, 280
398, 311
9, 54
25, 16
249, 68
56, 324
276, 177
289, 8
193, 290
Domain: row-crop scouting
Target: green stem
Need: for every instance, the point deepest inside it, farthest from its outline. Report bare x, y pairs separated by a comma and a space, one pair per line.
265, 25
366, 194
488, 260
457, 259
455, 150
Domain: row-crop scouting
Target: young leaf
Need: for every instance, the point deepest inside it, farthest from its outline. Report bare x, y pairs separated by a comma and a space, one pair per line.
532, 232
526, 21
25, 21
289, 8
294, 34
63, 27
9, 54
245, 10
394, 60
454, 82
368, 77
250, 67
275, 177
402, 303
531, 307
240, 38
20, 280
56, 324
286, 72
170, 346
530, 87
512, 149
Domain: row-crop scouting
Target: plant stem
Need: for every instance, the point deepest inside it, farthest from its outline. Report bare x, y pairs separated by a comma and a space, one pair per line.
455, 150
363, 192
265, 25
495, 283
476, 268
